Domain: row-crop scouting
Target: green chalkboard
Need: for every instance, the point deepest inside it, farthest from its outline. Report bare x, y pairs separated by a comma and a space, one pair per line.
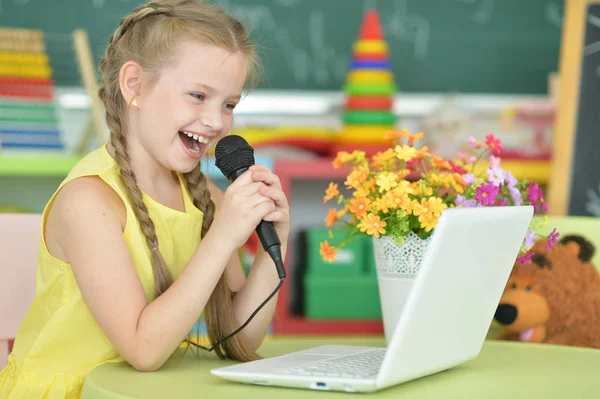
477, 46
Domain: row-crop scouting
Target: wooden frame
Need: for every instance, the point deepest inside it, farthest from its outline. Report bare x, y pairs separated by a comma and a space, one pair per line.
96, 126
571, 51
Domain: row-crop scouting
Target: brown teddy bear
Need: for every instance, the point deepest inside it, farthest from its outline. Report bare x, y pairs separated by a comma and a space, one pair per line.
556, 298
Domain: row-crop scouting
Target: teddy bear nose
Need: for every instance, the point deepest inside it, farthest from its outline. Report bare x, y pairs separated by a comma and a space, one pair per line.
505, 313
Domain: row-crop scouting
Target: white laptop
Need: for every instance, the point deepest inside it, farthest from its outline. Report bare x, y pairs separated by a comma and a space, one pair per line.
446, 317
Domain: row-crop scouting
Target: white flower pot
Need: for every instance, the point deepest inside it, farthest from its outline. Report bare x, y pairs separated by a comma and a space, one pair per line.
397, 268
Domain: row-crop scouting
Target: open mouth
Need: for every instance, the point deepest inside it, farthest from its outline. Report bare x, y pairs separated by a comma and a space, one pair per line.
193, 142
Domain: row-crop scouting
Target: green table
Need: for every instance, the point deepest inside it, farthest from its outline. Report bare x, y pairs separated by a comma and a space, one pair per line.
502, 370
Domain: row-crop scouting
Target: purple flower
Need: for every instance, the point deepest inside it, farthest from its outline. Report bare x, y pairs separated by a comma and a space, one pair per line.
495, 175
469, 178
515, 194
467, 160
533, 192
524, 259
462, 201
503, 202
494, 161
529, 236
552, 239
545, 206
486, 194
510, 180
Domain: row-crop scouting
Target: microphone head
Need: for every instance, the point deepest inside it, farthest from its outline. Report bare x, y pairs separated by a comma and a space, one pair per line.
232, 153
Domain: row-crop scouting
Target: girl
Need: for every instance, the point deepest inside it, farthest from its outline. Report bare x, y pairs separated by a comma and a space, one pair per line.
132, 250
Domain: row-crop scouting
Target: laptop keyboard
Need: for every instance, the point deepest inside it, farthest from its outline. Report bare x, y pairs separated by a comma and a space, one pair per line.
360, 365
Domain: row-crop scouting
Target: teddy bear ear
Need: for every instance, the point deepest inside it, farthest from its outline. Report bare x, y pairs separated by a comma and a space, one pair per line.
579, 246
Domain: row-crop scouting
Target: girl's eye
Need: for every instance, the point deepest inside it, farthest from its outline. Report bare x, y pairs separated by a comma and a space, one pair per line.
230, 106
197, 96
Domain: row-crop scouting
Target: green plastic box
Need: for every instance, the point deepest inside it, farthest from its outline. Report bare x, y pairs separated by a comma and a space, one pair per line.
350, 259
370, 257
342, 297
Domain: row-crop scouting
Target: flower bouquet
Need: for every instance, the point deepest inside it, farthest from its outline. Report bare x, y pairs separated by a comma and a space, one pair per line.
397, 196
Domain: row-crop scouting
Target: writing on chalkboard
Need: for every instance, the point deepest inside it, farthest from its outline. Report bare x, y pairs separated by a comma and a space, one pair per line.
451, 45
553, 14
593, 48
592, 205
483, 11
323, 62
593, 202
584, 192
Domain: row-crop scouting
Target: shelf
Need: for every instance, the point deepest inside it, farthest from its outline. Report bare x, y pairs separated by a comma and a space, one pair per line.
36, 164
303, 326
33, 164
532, 170
286, 323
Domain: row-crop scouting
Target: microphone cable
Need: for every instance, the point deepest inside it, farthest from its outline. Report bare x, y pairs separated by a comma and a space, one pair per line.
220, 341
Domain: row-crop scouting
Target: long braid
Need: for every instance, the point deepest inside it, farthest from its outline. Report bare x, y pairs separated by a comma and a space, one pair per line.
152, 8
162, 276
219, 323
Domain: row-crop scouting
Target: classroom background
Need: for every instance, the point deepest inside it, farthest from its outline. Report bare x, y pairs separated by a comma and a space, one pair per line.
526, 71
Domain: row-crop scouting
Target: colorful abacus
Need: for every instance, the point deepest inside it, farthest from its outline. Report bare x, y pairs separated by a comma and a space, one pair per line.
27, 110
370, 89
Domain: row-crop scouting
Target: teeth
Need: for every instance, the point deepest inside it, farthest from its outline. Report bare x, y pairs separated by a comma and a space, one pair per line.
199, 139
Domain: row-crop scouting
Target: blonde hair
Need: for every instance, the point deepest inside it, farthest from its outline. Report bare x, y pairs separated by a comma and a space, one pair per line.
149, 36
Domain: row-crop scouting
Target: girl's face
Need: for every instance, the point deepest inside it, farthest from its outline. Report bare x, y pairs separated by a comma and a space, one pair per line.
190, 106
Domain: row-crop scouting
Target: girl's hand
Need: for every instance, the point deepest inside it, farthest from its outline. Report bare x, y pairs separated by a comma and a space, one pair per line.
242, 207
280, 216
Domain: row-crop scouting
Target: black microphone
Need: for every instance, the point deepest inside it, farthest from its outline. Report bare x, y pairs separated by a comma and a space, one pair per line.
233, 157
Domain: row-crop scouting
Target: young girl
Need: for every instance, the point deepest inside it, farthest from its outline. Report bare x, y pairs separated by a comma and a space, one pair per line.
133, 251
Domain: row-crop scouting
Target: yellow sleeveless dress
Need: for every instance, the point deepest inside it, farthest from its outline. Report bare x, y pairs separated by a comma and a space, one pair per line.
59, 341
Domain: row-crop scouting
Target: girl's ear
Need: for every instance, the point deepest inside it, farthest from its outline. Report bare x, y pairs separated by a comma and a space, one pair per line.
130, 79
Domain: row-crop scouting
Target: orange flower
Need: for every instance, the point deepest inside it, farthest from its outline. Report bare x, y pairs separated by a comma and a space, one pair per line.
384, 203
459, 179
428, 223
405, 152
440, 163
422, 152
382, 159
341, 158
421, 209
403, 173
369, 185
331, 192
359, 206
414, 137
406, 187
331, 217
400, 198
421, 188
435, 179
372, 225
357, 177
386, 181
327, 252
394, 134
